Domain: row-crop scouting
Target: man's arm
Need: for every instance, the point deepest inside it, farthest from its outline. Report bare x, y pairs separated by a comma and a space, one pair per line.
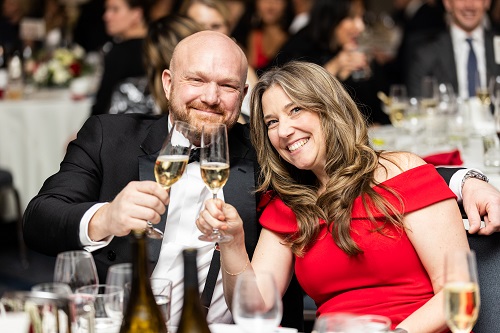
479, 199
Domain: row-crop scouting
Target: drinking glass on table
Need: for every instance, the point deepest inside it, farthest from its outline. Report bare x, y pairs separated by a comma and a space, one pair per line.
76, 269
214, 165
482, 91
461, 291
257, 305
162, 290
429, 92
399, 103
108, 306
171, 162
120, 275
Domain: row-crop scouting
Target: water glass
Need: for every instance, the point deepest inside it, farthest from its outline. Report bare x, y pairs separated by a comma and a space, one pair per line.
257, 305
108, 306
162, 290
491, 150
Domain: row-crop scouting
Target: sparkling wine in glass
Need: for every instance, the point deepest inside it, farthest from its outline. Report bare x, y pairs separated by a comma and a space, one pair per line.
171, 162
214, 164
399, 104
461, 291
257, 305
76, 269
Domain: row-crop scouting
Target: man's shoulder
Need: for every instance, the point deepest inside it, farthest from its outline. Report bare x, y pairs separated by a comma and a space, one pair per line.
119, 121
239, 139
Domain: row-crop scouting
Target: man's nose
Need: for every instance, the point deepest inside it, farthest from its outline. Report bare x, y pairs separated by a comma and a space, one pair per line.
211, 94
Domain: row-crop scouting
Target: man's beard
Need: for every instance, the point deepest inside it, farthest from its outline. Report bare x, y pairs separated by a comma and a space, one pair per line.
197, 120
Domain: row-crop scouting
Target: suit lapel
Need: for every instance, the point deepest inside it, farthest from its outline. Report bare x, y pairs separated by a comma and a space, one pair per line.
448, 60
492, 68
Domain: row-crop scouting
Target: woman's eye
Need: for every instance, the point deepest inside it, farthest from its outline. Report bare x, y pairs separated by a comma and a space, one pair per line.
270, 123
295, 110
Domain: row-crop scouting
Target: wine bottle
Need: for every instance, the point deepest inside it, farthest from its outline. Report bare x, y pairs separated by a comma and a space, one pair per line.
142, 314
192, 317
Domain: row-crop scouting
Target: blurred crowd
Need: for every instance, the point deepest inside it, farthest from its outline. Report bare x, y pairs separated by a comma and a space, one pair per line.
367, 47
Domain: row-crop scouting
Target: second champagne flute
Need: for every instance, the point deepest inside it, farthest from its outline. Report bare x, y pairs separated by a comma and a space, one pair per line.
214, 164
171, 162
461, 291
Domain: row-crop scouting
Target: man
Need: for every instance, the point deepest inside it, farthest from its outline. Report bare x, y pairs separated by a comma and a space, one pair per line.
463, 56
96, 198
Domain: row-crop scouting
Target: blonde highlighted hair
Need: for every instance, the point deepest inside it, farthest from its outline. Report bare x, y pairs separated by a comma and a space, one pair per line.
351, 161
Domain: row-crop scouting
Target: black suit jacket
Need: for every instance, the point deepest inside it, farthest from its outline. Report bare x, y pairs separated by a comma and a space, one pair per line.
111, 151
438, 60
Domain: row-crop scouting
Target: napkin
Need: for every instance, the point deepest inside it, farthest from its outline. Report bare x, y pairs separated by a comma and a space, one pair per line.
447, 158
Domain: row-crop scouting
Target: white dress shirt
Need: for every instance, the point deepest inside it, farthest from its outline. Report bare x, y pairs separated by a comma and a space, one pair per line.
461, 50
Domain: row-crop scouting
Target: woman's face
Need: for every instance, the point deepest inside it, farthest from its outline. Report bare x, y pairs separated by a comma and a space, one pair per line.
271, 11
294, 132
120, 18
350, 28
208, 18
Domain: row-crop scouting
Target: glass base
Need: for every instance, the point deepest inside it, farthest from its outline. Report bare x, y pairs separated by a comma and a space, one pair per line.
216, 237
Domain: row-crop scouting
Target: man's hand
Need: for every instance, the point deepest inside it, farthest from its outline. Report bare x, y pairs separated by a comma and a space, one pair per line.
137, 203
481, 199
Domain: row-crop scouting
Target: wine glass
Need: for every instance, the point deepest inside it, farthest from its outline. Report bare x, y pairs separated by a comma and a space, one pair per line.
461, 291
494, 89
399, 103
214, 164
76, 269
257, 305
482, 91
429, 92
171, 162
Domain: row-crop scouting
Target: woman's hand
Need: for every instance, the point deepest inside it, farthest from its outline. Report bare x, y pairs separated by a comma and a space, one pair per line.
219, 215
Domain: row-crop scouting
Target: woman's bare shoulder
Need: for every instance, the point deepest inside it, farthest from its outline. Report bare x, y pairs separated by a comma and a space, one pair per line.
392, 164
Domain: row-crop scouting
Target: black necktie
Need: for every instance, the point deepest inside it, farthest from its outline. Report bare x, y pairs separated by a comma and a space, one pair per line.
194, 155
472, 74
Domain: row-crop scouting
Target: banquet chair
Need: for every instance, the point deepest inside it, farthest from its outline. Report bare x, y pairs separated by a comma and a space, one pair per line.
7, 183
487, 250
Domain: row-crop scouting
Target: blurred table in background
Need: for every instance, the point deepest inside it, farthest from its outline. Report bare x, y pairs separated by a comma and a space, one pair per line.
34, 133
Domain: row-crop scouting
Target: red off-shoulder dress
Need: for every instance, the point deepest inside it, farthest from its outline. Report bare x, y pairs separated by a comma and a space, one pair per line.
387, 278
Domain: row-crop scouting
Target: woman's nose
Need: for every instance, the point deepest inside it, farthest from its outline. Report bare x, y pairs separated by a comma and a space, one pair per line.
284, 129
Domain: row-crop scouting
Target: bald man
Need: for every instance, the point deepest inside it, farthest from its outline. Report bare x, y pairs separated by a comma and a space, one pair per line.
105, 187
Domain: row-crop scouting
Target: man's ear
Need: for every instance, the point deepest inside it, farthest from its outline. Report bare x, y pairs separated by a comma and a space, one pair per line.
166, 78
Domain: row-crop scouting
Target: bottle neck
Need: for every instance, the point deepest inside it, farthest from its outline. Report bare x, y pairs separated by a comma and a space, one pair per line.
190, 271
140, 274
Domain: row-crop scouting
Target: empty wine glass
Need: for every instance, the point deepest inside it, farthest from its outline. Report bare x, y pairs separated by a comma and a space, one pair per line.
76, 269
494, 88
461, 291
171, 162
257, 305
214, 165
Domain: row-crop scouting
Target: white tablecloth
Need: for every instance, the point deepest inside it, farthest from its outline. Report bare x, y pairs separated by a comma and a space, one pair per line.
34, 134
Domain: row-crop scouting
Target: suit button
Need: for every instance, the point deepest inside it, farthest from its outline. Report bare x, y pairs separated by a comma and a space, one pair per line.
112, 255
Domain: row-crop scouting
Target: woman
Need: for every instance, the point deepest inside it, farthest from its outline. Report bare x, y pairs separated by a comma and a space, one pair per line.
126, 21
364, 231
331, 39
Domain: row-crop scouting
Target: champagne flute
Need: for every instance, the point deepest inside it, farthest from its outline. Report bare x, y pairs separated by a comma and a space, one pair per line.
214, 164
76, 269
257, 305
482, 91
461, 291
171, 162
399, 103
429, 92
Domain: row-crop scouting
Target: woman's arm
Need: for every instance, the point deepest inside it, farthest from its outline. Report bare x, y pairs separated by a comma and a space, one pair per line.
270, 254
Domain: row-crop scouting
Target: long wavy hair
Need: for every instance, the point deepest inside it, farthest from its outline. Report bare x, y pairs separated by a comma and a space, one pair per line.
351, 161
163, 35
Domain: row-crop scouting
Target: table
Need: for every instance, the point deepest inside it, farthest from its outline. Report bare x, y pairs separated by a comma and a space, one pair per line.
34, 133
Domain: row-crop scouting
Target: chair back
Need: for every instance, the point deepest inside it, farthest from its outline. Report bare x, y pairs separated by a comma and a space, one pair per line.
487, 250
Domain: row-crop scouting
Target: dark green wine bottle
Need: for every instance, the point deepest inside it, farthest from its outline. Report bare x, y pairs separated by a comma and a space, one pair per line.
142, 314
193, 318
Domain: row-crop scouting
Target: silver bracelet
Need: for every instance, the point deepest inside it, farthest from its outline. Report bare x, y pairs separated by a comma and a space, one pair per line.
399, 330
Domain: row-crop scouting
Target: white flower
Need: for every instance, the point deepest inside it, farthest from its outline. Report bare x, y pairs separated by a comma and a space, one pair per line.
41, 74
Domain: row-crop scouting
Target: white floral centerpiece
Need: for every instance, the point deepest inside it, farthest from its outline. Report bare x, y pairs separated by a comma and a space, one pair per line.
59, 67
